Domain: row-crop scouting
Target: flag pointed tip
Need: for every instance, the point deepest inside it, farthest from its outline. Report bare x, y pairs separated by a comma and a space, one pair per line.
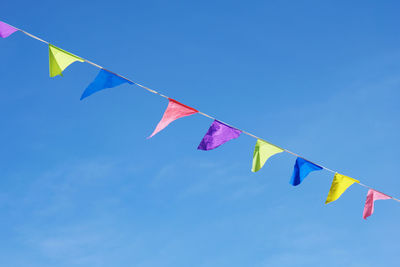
201, 148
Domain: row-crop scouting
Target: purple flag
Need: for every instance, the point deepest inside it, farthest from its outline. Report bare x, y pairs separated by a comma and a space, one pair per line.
6, 30
218, 134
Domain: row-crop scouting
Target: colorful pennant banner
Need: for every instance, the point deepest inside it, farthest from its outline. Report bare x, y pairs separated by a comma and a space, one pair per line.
218, 133
6, 30
174, 111
369, 202
59, 60
103, 80
262, 152
339, 184
302, 168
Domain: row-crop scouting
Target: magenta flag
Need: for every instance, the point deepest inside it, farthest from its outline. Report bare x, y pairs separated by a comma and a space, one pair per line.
6, 30
174, 111
369, 203
218, 134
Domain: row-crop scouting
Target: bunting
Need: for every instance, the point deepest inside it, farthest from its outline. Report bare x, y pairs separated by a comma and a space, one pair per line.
339, 184
59, 60
302, 168
174, 111
218, 134
262, 152
103, 80
369, 202
6, 30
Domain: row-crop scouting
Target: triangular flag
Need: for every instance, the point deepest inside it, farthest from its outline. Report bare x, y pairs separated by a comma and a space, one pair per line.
263, 151
59, 60
6, 30
369, 202
339, 184
174, 111
103, 80
218, 134
302, 168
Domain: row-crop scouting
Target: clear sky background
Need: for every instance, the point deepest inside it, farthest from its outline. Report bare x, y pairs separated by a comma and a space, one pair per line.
81, 186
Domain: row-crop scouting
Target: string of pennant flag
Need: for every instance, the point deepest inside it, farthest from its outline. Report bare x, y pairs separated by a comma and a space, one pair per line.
218, 133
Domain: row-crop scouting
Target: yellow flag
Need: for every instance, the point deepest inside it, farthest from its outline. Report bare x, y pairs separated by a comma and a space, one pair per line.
262, 152
339, 184
59, 60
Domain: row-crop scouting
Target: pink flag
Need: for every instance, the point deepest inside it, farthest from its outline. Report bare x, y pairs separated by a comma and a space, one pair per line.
6, 30
174, 111
369, 203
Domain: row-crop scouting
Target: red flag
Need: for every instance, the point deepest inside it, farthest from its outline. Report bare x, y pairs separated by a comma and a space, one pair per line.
369, 203
174, 111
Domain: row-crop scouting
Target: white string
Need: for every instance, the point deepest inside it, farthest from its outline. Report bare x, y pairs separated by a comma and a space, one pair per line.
201, 113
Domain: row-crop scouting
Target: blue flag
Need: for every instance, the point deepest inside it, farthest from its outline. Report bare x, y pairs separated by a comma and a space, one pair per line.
104, 80
302, 168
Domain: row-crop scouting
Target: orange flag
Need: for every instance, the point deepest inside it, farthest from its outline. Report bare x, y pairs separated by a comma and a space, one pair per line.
174, 111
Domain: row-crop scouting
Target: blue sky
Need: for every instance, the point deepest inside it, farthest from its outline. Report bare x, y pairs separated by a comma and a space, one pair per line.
81, 185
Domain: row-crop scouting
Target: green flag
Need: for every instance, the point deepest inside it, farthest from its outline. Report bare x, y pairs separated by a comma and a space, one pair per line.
262, 152
59, 60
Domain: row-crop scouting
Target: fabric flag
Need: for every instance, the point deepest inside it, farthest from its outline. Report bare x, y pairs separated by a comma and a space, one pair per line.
174, 111
262, 152
103, 80
339, 184
302, 168
6, 30
218, 134
59, 60
369, 203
